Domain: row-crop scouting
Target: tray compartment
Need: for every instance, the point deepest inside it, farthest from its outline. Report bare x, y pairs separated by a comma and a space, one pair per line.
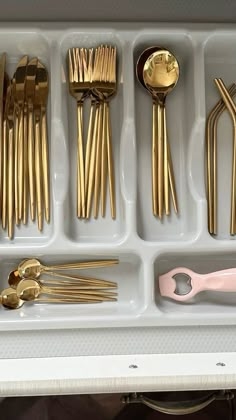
128, 274
102, 229
220, 62
16, 44
181, 114
206, 307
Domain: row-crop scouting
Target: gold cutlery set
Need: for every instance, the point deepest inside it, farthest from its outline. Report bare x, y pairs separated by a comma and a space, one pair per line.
92, 75
226, 102
24, 171
157, 70
56, 284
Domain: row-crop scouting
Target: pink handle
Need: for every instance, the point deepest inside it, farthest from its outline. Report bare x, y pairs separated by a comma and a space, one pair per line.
220, 281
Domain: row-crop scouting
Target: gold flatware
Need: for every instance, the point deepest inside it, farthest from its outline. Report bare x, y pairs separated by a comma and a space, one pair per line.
64, 280
38, 156
10, 300
29, 95
211, 160
34, 268
104, 88
42, 82
79, 87
229, 103
10, 170
19, 97
30, 289
2, 83
6, 98
160, 75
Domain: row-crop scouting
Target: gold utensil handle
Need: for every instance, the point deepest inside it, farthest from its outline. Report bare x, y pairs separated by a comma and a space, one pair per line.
160, 176
80, 163
79, 279
91, 175
111, 174
10, 207
104, 160
154, 159
78, 283
98, 162
5, 175
38, 173
48, 291
16, 167
66, 300
25, 167
45, 163
166, 165
172, 179
89, 145
21, 161
31, 160
81, 265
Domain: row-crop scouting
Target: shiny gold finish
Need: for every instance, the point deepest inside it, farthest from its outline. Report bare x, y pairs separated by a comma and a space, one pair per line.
6, 99
38, 156
24, 156
64, 280
232, 110
10, 171
211, 156
42, 82
25, 284
80, 63
160, 75
30, 289
10, 300
33, 267
104, 88
2, 83
30, 93
20, 78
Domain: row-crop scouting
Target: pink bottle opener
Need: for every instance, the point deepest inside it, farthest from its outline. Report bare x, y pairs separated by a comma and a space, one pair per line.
194, 283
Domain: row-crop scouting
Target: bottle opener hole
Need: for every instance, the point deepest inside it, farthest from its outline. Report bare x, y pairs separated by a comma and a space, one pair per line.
183, 284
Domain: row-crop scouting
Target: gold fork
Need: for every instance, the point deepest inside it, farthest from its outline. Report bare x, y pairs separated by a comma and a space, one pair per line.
42, 80
79, 87
29, 94
10, 170
104, 87
19, 98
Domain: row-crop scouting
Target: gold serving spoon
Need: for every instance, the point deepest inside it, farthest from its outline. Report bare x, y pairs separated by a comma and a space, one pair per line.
30, 289
10, 300
84, 283
33, 267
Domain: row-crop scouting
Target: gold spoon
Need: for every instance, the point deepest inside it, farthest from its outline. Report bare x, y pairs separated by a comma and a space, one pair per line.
31, 289
14, 279
33, 267
10, 300
160, 75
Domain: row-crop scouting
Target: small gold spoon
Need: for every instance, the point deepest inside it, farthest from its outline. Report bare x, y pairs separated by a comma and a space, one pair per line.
10, 300
30, 289
160, 75
14, 279
33, 267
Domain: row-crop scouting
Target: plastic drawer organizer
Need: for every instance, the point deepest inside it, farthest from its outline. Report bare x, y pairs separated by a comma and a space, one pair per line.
145, 246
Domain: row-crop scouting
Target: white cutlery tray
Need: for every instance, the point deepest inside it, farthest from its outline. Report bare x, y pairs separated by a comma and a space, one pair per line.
145, 246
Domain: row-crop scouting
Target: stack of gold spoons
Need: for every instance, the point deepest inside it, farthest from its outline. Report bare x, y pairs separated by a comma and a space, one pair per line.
25, 284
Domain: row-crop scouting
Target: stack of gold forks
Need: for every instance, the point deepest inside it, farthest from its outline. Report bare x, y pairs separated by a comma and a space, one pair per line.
92, 74
24, 171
